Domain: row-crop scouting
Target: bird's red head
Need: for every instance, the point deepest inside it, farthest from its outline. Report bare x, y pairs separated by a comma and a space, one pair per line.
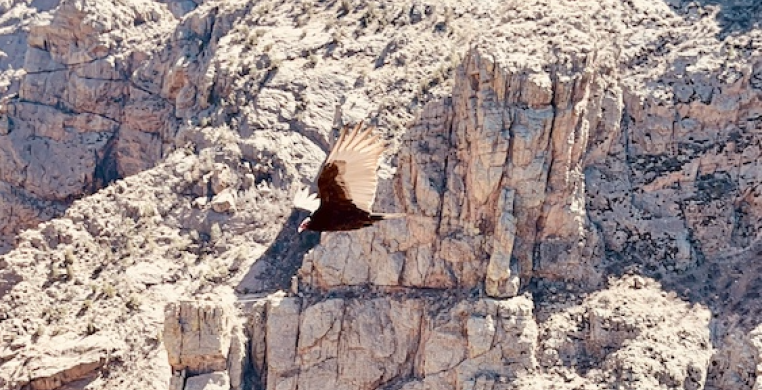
304, 225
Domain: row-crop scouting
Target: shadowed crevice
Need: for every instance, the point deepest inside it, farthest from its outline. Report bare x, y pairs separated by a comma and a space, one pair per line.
106, 170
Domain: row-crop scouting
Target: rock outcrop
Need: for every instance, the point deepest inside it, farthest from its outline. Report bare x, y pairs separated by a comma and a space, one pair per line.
206, 343
76, 119
407, 341
581, 176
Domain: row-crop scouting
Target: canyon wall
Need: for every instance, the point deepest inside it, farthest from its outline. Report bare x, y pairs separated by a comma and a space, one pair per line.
582, 181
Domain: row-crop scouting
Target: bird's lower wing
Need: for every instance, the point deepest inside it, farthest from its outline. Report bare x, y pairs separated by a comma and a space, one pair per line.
306, 201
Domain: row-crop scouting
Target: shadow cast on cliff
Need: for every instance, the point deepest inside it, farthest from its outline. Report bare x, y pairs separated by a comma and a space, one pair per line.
274, 269
733, 16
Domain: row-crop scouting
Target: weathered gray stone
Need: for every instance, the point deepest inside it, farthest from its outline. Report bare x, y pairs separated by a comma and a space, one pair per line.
212, 381
197, 335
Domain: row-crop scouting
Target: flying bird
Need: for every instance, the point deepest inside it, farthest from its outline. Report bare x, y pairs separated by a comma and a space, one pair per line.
346, 185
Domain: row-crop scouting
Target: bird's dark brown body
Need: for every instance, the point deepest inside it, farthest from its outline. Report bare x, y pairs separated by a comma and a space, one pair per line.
346, 185
344, 218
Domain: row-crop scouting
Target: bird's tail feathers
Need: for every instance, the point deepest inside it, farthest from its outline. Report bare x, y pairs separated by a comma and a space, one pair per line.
385, 216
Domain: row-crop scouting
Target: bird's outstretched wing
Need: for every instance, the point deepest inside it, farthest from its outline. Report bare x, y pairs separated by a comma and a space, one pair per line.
349, 172
306, 201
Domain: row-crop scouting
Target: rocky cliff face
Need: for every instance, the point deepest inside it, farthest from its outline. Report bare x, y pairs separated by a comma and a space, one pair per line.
74, 115
583, 178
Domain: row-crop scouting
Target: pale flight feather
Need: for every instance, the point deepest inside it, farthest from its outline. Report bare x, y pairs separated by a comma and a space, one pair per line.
306, 201
361, 152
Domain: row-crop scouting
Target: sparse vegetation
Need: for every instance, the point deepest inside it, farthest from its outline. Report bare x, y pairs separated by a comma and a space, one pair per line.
70, 275
275, 63
446, 24
39, 332
264, 9
307, 11
312, 60
345, 6
91, 328
437, 76
299, 116
133, 302
337, 35
423, 86
109, 290
226, 136
69, 255
253, 38
55, 271
362, 78
215, 232
329, 24
372, 15
55, 313
129, 247
218, 273
146, 209
150, 243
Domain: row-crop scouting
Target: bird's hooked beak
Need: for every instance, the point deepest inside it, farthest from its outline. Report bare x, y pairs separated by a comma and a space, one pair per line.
303, 225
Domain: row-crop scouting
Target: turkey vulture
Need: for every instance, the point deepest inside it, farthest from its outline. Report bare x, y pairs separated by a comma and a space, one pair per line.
346, 185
